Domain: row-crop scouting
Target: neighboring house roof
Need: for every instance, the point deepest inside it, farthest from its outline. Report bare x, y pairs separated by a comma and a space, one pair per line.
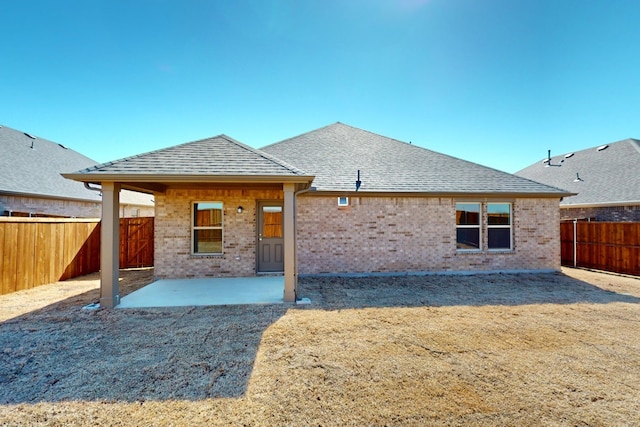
603, 175
30, 167
335, 153
217, 159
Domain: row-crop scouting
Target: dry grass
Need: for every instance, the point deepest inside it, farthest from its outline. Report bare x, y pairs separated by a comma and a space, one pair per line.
552, 349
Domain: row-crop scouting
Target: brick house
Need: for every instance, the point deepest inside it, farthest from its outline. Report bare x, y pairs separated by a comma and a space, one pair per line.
605, 180
31, 184
337, 200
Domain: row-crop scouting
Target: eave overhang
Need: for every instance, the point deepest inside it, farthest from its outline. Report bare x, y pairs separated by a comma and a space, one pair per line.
456, 194
47, 196
599, 205
160, 183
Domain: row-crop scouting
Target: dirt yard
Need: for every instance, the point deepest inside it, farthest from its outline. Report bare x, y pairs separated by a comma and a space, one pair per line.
550, 349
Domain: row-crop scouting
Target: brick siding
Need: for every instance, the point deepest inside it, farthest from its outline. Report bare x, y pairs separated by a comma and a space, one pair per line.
415, 234
65, 208
610, 213
372, 234
53, 207
173, 257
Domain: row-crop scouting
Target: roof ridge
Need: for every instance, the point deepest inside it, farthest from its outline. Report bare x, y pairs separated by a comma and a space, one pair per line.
299, 135
629, 140
264, 155
635, 144
159, 150
333, 124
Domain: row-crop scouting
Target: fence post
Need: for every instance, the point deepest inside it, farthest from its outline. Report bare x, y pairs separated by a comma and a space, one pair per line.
575, 243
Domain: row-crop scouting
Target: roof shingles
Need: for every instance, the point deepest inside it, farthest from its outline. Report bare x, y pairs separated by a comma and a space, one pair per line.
335, 153
217, 156
32, 166
609, 175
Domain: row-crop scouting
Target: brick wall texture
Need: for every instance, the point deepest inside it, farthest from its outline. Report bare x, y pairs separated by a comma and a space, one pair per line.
372, 234
53, 207
173, 258
415, 234
65, 208
610, 213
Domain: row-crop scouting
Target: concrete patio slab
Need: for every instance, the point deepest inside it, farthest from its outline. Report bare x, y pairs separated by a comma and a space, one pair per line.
208, 291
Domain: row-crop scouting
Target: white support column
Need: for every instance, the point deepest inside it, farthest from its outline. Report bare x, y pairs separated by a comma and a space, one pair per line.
290, 278
110, 245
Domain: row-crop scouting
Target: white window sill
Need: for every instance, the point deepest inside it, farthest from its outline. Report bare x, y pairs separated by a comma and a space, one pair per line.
207, 255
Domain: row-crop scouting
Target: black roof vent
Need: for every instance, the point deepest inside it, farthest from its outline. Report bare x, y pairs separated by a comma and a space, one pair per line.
602, 147
29, 135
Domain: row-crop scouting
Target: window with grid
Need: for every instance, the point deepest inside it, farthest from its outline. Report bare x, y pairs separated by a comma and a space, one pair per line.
207, 228
499, 225
468, 226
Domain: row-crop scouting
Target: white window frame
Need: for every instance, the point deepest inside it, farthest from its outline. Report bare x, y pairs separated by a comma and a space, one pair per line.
500, 226
478, 226
343, 201
194, 228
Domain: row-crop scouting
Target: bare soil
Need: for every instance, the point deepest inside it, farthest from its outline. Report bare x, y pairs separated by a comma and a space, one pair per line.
523, 349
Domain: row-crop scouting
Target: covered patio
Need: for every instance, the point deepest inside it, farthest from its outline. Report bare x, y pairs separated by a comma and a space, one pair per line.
207, 291
213, 201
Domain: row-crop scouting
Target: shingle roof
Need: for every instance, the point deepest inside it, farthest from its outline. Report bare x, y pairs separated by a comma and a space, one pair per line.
216, 156
607, 176
336, 152
32, 166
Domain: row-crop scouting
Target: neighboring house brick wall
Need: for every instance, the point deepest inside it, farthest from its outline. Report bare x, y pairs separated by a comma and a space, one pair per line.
609, 213
414, 234
173, 258
128, 211
54, 207
66, 208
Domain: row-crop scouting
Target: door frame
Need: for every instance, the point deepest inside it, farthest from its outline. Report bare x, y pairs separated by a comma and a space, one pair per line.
259, 221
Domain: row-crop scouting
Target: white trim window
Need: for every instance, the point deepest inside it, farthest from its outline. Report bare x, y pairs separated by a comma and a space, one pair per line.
206, 228
343, 201
468, 236
499, 226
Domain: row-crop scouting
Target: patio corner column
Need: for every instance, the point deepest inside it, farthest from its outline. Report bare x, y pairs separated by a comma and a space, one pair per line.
110, 245
290, 279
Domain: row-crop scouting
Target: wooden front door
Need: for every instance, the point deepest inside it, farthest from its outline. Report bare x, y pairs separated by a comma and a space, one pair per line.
270, 253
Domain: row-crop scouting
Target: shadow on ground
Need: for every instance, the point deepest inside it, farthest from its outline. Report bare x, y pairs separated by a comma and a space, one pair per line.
189, 353
63, 353
455, 290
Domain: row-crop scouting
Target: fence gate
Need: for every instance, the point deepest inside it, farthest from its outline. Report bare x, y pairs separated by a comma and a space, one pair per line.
136, 242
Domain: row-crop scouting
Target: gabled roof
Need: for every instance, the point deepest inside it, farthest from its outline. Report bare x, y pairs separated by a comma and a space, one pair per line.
216, 159
31, 166
603, 175
335, 153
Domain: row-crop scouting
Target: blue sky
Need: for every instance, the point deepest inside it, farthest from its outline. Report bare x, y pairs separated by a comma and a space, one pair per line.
497, 82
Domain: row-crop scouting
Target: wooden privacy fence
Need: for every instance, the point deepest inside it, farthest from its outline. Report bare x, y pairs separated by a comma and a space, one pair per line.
610, 246
36, 251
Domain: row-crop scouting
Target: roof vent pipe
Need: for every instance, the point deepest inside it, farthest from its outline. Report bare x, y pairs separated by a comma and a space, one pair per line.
547, 162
